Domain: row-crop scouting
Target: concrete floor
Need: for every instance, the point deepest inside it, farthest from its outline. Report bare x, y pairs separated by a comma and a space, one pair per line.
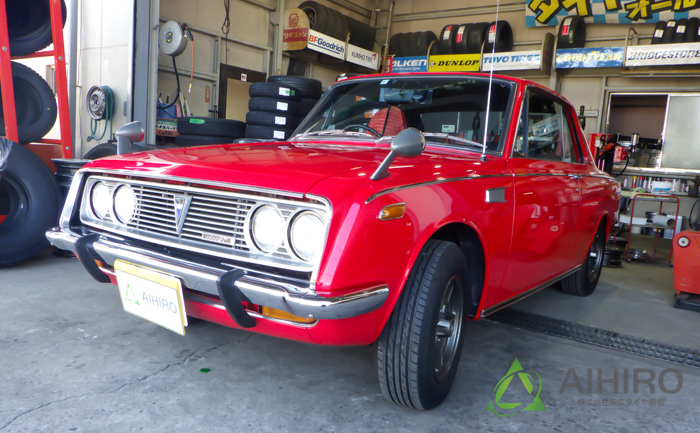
72, 360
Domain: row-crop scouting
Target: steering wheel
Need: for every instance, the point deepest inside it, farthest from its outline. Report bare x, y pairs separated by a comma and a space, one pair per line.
365, 127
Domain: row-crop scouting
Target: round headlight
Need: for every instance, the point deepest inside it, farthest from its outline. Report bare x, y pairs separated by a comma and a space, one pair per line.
306, 236
100, 200
124, 203
267, 228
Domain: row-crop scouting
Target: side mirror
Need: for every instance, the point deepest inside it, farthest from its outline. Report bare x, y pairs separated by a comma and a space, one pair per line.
408, 143
128, 134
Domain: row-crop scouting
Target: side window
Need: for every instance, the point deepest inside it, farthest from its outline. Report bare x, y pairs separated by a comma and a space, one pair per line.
544, 132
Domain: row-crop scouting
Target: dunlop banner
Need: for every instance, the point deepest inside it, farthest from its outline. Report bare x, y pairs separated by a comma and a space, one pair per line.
455, 63
552, 12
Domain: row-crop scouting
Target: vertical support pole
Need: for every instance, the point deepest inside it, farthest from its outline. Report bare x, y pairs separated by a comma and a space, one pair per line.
59, 55
73, 9
8, 91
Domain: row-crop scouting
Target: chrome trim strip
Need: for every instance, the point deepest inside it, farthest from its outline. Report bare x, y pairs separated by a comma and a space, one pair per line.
432, 182
508, 302
259, 291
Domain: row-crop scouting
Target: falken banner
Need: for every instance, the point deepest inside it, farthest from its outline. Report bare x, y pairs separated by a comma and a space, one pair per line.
552, 12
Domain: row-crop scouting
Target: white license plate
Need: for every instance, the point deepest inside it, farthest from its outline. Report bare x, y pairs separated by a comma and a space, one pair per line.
151, 295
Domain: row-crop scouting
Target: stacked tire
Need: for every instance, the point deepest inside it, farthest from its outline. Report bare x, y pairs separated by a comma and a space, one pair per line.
199, 131
30, 199
470, 38
278, 106
677, 32
411, 44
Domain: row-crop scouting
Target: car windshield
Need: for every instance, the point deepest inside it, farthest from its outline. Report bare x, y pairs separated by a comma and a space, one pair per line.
448, 110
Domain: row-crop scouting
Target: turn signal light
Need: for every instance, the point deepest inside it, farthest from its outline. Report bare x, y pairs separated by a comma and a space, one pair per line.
283, 315
392, 212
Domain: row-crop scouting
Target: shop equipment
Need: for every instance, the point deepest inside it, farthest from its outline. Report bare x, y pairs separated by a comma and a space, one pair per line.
686, 270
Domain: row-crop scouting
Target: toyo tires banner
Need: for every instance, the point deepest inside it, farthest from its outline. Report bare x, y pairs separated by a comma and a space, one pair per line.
552, 12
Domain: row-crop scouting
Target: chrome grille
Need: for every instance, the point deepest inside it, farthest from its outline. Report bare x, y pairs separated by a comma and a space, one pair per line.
155, 211
217, 216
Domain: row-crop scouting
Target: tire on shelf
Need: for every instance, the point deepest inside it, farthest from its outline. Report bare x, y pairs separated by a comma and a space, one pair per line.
500, 34
361, 34
424, 41
341, 29
681, 28
394, 44
669, 32
413, 47
445, 40
476, 37
460, 39
572, 33
29, 25
692, 30
207, 126
201, 140
309, 87
409, 361
30, 200
318, 15
35, 105
266, 132
276, 106
405, 45
265, 118
274, 90
658, 35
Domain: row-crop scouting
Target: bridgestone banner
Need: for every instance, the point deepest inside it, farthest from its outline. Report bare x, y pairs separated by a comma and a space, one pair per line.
663, 55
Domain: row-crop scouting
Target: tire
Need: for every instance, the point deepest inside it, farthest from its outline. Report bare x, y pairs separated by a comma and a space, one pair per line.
406, 348
501, 34
394, 44
35, 105
476, 37
572, 33
268, 133
282, 91
413, 44
263, 118
585, 280
207, 126
200, 140
658, 35
341, 29
460, 38
405, 45
361, 34
31, 200
669, 32
309, 87
29, 25
691, 30
424, 41
306, 105
273, 105
681, 28
445, 39
318, 15
101, 150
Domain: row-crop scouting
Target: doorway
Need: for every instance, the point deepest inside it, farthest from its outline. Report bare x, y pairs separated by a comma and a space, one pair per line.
233, 91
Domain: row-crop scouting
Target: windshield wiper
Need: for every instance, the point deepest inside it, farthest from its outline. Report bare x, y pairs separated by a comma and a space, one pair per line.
449, 137
337, 132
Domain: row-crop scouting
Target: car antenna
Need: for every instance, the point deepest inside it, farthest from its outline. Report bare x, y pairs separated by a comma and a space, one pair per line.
488, 100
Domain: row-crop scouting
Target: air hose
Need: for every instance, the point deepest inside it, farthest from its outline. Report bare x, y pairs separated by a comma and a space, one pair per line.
101, 105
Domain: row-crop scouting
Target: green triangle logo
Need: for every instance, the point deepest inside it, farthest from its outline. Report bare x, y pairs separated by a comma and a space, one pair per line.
130, 295
528, 379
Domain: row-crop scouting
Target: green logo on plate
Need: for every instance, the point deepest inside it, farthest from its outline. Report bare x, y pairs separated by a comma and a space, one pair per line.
531, 403
197, 121
130, 295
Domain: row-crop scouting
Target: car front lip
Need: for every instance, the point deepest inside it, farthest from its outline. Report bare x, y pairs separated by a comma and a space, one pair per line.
203, 278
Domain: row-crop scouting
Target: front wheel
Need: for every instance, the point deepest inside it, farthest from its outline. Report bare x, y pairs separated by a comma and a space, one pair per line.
585, 280
419, 349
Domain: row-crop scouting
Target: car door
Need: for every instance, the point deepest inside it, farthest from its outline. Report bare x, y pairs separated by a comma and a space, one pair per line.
547, 194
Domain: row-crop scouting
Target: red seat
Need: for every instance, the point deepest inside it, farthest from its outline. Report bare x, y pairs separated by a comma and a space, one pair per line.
388, 121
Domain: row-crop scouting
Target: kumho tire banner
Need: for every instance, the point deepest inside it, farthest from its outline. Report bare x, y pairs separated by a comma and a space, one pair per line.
552, 12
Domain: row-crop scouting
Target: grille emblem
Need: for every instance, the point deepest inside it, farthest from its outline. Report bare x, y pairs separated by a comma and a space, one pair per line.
182, 203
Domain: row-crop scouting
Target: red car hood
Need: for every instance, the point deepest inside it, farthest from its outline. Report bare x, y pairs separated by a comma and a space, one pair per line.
293, 167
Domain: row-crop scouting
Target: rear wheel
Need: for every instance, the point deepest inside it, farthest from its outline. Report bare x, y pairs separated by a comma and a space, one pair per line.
585, 280
419, 349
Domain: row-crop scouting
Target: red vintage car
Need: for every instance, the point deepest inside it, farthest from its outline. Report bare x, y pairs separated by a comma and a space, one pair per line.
405, 206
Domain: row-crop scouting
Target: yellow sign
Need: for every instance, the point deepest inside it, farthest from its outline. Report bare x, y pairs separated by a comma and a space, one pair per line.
454, 63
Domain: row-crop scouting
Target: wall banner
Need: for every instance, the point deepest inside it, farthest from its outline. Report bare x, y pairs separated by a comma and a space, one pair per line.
455, 63
552, 12
362, 57
407, 64
611, 57
521, 60
663, 55
326, 45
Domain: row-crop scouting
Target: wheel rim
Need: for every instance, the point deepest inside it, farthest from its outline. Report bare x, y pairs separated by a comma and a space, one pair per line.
448, 328
595, 258
15, 204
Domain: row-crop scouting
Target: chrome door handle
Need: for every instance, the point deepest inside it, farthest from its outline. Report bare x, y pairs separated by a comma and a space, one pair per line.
575, 176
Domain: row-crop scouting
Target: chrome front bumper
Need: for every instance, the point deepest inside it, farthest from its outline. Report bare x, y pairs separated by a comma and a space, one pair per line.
204, 278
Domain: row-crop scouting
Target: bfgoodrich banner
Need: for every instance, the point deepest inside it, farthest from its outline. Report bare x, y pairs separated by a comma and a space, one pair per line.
552, 12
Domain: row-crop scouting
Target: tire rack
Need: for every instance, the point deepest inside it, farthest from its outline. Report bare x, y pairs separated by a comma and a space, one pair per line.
6, 84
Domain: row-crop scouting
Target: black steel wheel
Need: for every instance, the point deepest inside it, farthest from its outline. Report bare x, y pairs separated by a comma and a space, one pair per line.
585, 280
419, 349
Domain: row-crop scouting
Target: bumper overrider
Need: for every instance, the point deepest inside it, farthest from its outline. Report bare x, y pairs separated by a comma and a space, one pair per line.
233, 286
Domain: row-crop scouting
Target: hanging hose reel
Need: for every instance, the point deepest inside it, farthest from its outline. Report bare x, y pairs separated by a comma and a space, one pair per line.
173, 38
101, 105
